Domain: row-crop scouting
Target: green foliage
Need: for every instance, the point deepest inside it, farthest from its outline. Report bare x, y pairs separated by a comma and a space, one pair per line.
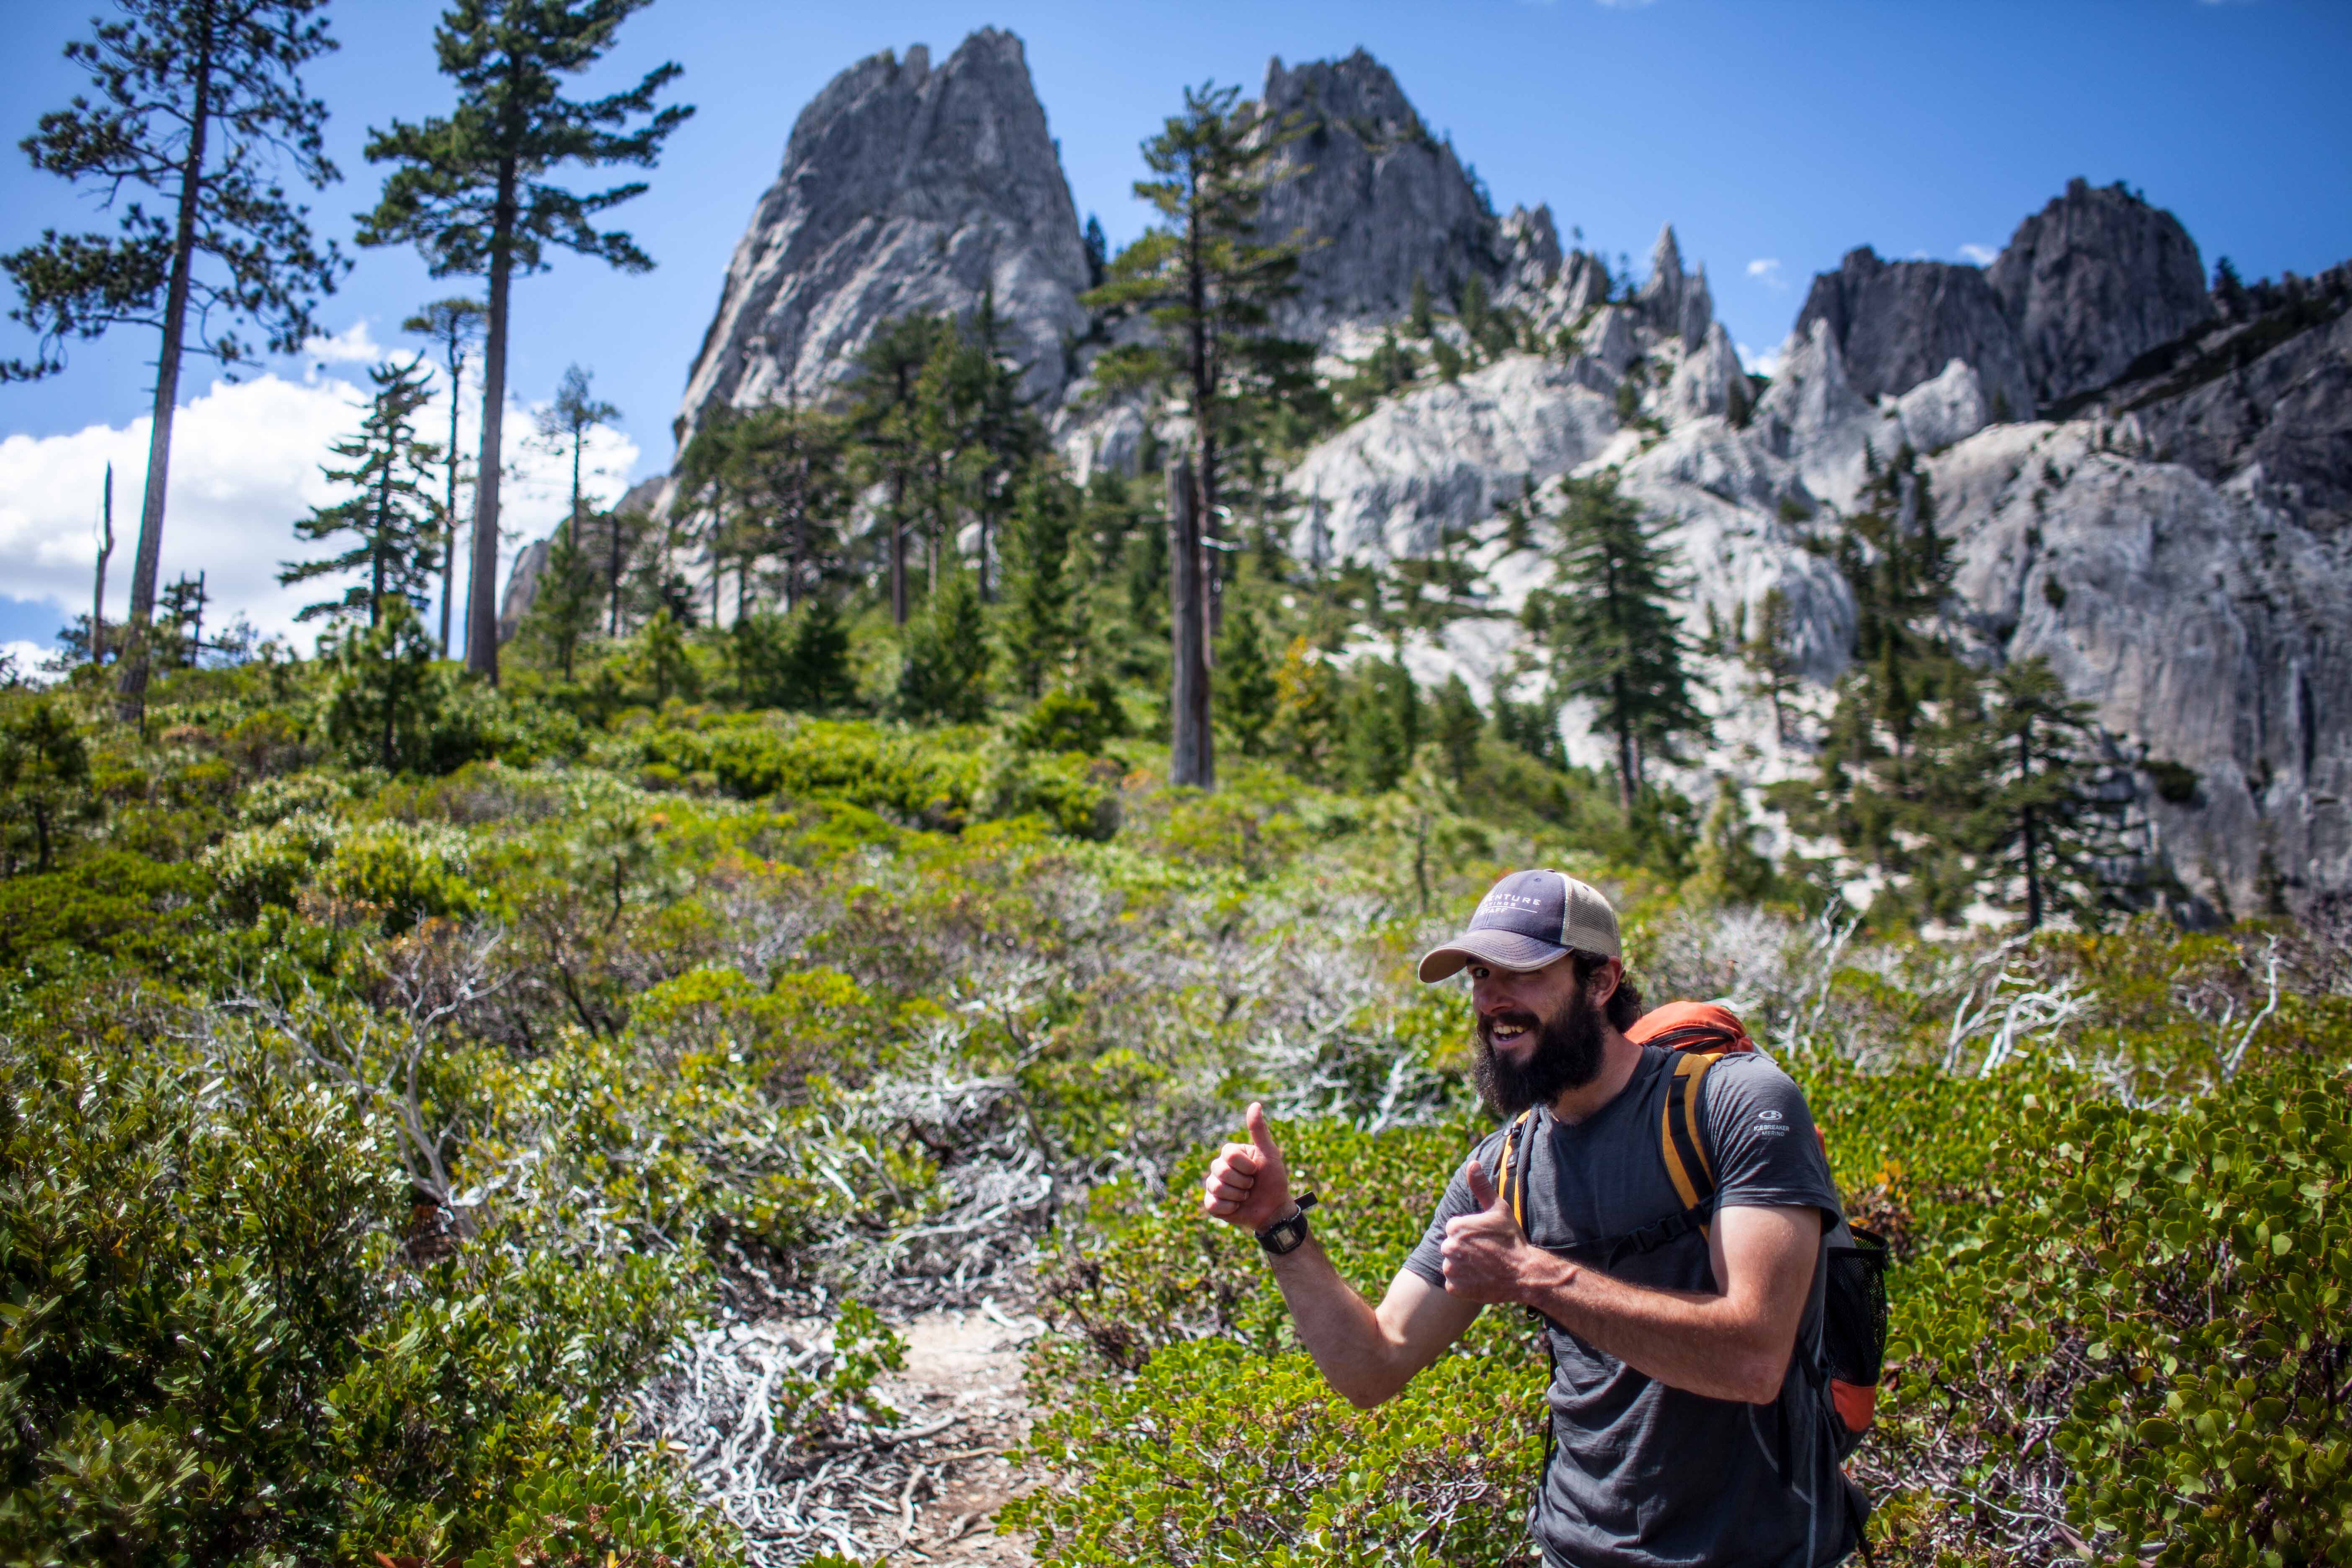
44, 783
388, 704
397, 524
1614, 634
167, 70
944, 671
799, 660
1246, 691
1041, 581
1072, 718
2157, 1292
1207, 281
1177, 1464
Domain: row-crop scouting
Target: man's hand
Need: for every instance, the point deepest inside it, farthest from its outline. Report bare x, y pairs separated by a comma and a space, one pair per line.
1248, 1186
1487, 1258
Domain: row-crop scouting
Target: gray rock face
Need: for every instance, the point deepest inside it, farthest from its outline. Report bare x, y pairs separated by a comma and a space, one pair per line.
2094, 280
1384, 200
2281, 417
2206, 629
904, 189
1897, 323
1387, 486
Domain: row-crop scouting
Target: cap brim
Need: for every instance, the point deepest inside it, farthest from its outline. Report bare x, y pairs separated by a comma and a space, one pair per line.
1496, 949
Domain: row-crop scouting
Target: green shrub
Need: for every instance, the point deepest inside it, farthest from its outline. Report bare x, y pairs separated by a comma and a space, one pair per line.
1220, 1442
2161, 1294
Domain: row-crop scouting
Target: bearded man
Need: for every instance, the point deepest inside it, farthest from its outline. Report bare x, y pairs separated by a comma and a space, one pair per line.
1689, 1421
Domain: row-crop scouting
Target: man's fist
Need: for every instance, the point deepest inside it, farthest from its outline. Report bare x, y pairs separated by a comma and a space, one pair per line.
1487, 1257
1248, 1185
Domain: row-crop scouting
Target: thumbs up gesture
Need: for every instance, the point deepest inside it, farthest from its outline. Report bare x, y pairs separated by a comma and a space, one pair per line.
1487, 1256
1248, 1186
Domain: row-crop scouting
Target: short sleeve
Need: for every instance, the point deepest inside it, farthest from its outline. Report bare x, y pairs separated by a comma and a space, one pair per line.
1426, 1259
1762, 1142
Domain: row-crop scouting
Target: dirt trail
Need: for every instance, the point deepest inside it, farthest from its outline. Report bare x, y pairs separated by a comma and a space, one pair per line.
963, 1376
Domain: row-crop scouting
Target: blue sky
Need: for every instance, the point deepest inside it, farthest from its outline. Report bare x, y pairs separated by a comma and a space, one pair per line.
1782, 133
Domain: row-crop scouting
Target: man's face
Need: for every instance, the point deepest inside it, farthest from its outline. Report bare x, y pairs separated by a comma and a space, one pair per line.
1540, 1033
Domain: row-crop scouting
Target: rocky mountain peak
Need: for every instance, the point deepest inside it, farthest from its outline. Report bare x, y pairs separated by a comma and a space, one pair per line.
905, 188
1898, 324
2094, 280
1388, 201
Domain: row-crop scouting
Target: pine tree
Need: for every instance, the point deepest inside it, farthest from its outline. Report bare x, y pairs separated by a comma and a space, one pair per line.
44, 780
944, 670
1421, 320
564, 600
1038, 625
1613, 633
1209, 283
455, 325
2044, 822
1098, 252
563, 426
786, 468
395, 521
198, 101
999, 435
1247, 690
1380, 718
1766, 654
382, 696
662, 659
180, 642
471, 191
1456, 725
1306, 710
885, 418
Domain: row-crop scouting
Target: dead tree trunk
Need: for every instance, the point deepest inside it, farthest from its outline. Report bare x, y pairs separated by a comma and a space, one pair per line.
1191, 759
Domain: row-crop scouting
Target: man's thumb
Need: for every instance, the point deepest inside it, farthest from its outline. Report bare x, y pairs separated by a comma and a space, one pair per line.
1482, 1187
1261, 1136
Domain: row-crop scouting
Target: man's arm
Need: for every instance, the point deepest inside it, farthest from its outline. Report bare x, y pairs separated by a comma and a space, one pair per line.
1735, 1345
1367, 1354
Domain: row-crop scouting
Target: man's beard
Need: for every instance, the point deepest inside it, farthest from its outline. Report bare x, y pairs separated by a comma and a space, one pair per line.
1567, 1055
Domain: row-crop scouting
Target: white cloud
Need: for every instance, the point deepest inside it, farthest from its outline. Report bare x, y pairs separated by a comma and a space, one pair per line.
353, 345
1764, 364
244, 464
1765, 269
1982, 254
27, 658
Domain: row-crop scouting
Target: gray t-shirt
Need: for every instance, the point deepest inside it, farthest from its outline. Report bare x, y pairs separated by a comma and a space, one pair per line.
1642, 1474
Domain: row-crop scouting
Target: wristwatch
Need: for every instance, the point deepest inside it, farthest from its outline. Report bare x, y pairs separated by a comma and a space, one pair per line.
1287, 1233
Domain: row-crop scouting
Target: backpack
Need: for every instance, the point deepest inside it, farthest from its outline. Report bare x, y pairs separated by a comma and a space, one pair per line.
1853, 1311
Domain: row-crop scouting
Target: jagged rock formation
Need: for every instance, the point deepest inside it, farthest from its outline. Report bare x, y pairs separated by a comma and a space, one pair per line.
1380, 200
2093, 281
1896, 324
904, 189
2150, 488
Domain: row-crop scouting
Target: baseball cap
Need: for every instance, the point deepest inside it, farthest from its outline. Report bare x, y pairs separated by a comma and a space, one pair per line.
1526, 920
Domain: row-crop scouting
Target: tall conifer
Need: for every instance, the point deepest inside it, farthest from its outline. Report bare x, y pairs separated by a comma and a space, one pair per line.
472, 191
199, 101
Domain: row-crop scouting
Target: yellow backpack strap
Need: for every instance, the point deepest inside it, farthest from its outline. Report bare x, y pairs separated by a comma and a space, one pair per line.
1514, 1189
1678, 1132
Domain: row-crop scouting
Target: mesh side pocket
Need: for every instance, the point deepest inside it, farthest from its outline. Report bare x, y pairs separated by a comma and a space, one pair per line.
1853, 1331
